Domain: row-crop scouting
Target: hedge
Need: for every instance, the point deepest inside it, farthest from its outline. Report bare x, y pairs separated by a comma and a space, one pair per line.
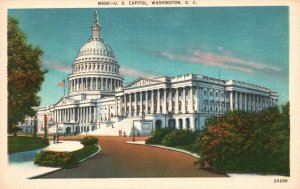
89, 140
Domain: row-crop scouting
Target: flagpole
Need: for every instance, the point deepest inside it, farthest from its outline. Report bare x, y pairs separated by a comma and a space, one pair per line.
64, 87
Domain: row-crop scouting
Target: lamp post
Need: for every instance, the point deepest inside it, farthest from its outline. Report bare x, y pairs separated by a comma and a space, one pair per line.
133, 139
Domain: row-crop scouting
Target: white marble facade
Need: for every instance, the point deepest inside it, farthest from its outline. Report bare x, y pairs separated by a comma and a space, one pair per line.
97, 96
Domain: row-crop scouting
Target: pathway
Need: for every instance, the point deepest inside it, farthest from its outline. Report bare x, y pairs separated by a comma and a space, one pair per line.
120, 160
21, 164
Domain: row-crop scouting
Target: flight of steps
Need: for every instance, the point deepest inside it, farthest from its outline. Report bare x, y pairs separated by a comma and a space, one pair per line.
109, 130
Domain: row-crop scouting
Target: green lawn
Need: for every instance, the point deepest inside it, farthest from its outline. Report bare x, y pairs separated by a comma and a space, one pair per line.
188, 147
25, 143
64, 159
85, 152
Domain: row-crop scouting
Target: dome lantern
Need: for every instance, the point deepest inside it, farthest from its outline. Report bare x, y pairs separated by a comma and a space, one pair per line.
96, 28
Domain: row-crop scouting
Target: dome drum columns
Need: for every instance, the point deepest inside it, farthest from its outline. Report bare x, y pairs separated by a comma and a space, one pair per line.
94, 84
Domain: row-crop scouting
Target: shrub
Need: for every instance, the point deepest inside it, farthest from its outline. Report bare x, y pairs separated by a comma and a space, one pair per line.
89, 140
158, 135
55, 159
247, 142
179, 138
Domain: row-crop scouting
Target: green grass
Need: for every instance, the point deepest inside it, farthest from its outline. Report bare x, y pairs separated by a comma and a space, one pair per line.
84, 152
64, 159
25, 143
188, 147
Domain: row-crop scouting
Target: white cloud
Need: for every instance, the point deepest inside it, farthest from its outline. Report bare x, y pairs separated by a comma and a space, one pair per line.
58, 66
135, 73
226, 61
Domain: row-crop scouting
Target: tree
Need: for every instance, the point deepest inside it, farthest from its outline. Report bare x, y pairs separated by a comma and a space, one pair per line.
25, 75
247, 142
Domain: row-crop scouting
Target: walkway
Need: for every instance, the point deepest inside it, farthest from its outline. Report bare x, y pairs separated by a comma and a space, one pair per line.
21, 164
120, 160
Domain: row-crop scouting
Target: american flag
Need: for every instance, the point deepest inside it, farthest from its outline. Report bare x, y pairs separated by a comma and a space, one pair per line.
61, 83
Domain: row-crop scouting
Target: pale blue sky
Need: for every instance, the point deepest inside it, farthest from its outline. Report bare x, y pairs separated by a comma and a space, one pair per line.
245, 43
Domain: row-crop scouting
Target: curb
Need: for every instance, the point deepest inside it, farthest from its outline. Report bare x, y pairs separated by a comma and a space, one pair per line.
99, 149
58, 169
167, 148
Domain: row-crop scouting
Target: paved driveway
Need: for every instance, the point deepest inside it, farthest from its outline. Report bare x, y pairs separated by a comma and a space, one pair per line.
120, 160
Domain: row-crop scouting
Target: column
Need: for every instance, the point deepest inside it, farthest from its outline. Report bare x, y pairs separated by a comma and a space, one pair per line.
135, 104
113, 84
89, 114
220, 102
235, 101
158, 101
116, 106
100, 83
141, 103
70, 85
91, 83
125, 104
170, 100
106, 84
81, 116
176, 101
61, 115
245, 102
254, 102
231, 101
67, 115
84, 114
240, 101
95, 114
130, 104
192, 123
146, 102
76, 84
183, 101
152, 102
79, 84
165, 101
86, 109
191, 100
200, 100
57, 120
77, 114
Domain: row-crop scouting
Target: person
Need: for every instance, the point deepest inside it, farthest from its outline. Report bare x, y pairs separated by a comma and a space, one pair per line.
54, 138
124, 134
58, 138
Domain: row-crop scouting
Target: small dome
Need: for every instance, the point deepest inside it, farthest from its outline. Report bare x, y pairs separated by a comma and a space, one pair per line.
95, 49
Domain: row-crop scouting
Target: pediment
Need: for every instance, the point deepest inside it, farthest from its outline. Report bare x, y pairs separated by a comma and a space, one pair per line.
143, 82
64, 101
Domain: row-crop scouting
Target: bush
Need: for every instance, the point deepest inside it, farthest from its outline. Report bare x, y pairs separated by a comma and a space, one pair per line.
244, 142
158, 135
180, 138
55, 159
89, 140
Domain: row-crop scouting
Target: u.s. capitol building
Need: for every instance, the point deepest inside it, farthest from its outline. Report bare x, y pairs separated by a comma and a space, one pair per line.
98, 102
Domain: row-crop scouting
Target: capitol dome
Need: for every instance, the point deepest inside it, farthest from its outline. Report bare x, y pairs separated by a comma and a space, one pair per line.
95, 71
96, 48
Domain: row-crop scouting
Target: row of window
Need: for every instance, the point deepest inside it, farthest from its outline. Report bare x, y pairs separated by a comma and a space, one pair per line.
95, 67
